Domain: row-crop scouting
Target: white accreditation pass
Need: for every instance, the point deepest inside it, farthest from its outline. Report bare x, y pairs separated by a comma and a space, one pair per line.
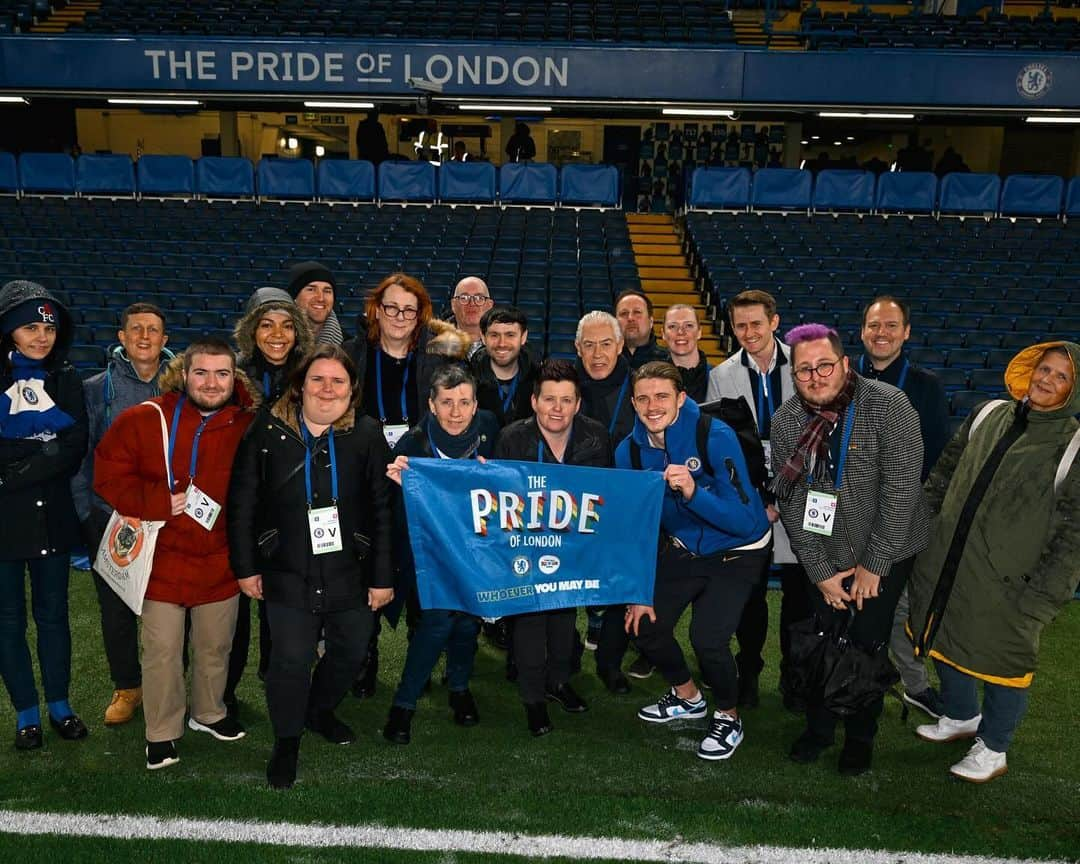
820, 513
392, 432
201, 507
324, 530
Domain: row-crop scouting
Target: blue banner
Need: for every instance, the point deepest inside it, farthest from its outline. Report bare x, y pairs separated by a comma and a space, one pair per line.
354, 68
505, 538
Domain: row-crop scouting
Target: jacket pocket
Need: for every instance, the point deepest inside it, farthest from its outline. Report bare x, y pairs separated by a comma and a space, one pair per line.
361, 545
268, 543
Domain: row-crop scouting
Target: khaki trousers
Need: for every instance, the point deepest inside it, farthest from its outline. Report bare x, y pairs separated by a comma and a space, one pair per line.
164, 696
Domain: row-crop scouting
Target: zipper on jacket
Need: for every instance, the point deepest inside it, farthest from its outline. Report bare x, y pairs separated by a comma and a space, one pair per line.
733, 475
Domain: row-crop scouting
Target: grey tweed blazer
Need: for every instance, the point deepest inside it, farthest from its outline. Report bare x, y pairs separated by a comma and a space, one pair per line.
882, 516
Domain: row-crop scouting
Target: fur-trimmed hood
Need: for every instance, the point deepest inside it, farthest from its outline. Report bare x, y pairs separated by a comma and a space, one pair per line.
439, 337
245, 394
266, 300
284, 411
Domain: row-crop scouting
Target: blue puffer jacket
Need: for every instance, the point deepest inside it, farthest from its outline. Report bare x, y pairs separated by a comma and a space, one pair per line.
724, 512
107, 395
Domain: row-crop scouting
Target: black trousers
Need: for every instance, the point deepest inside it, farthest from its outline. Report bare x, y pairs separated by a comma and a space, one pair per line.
716, 588
238, 657
611, 647
754, 624
543, 645
870, 629
291, 687
119, 625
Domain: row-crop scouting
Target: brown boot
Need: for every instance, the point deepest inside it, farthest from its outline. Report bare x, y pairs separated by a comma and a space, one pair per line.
123, 705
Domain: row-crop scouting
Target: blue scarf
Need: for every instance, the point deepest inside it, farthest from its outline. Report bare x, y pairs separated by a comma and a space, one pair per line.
26, 410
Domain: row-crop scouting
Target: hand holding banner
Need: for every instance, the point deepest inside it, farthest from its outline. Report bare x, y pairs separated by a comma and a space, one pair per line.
505, 538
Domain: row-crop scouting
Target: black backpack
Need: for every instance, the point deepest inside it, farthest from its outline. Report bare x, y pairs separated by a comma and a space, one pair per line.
736, 414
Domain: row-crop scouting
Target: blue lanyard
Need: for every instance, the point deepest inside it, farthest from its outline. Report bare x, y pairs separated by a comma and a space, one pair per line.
618, 404
404, 387
194, 444
507, 396
849, 424
266, 384
309, 442
764, 392
903, 371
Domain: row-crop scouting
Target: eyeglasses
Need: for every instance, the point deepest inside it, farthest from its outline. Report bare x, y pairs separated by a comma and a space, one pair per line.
406, 312
823, 370
474, 299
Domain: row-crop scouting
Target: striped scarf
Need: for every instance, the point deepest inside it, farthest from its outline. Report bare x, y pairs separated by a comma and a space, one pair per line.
813, 443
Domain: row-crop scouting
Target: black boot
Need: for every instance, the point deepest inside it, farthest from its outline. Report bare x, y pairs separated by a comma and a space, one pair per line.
536, 714
464, 707
281, 769
398, 728
856, 757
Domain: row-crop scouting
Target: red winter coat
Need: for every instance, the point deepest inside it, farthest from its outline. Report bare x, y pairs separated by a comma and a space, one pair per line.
191, 564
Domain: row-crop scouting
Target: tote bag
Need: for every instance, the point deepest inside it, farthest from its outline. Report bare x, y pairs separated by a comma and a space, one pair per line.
126, 552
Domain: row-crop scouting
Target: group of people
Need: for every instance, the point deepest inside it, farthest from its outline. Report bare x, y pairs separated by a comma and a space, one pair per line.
275, 468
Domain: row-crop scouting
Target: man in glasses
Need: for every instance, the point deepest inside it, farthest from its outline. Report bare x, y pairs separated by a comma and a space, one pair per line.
847, 453
759, 373
470, 300
681, 334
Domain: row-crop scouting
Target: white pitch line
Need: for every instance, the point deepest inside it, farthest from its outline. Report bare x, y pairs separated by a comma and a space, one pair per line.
122, 827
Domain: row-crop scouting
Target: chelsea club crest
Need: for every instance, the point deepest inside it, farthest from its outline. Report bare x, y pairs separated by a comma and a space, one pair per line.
1034, 81
693, 464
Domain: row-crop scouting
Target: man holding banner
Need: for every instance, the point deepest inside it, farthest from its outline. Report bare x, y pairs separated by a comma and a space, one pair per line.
715, 543
527, 539
544, 641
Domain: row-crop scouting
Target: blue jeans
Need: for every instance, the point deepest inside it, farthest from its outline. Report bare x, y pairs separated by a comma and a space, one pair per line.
438, 629
1002, 708
49, 601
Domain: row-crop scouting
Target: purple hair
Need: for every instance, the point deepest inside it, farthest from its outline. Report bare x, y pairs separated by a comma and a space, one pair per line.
813, 332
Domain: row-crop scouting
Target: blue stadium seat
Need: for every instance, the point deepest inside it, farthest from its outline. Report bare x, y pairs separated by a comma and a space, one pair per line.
528, 183
720, 189
781, 189
1032, 195
963, 401
906, 192
851, 190
346, 180
952, 379
112, 174
407, 181
975, 193
86, 355
467, 182
967, 358
9, 173
224, 177
987, 380
44, 173
589, 185
165, 175
1072, 198
286, 178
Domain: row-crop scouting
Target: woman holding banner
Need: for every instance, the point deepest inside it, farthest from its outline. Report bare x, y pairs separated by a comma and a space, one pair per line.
715, 541
398, 347
454, 429
43, 430
544, 641
309, 525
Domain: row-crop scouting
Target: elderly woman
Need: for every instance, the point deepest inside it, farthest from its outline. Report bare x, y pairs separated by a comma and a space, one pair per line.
309, 532
398, 347
1004, 556
43, 431
454, 429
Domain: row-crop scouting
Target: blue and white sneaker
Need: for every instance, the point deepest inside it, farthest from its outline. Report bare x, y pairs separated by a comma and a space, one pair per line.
671, 707
724, 735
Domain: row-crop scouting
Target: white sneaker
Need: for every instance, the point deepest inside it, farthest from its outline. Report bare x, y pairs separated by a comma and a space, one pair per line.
724, 735
670, 707
946, 729
980, 765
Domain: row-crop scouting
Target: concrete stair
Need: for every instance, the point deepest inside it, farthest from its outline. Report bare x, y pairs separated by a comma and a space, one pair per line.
73, 13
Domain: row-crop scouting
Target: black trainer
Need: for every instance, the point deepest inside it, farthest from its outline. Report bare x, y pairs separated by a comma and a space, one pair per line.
327, 724
464, 707
225, 729
536, 714
928, 701
855, 758
161, 754
281, 769
565, 695
398, 728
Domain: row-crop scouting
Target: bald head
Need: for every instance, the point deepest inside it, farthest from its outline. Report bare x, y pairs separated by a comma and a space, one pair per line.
471, 299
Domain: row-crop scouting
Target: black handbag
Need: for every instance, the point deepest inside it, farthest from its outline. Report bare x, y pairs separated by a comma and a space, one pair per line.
828, 668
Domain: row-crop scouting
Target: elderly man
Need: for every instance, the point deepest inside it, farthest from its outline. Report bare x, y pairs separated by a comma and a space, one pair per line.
313, 288
847, 454
634, 311
470, 300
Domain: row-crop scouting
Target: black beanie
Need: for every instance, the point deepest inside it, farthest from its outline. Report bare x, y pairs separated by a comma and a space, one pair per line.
37, 310
306, 272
